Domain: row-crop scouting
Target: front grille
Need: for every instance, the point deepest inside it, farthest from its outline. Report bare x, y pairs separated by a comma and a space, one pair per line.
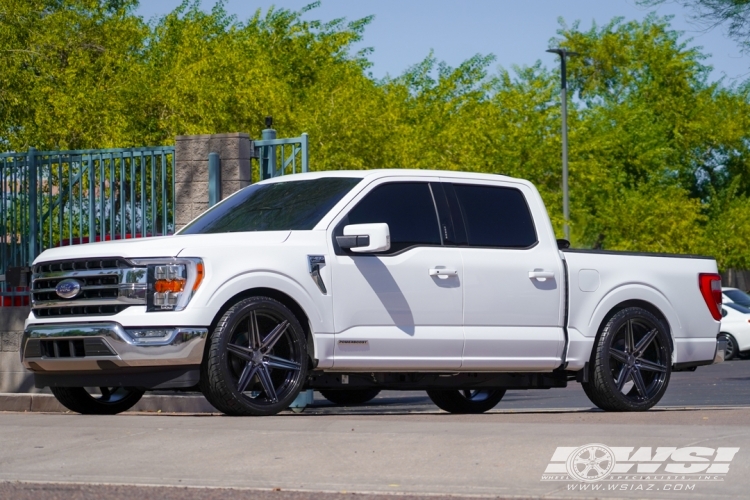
106, 310
67, 348
81, 265
107, 286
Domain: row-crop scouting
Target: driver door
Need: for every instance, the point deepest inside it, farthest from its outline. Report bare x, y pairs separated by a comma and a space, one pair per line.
390, 313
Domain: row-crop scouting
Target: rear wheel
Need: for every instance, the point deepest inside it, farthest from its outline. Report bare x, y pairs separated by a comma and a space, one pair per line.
257, 359
732, 351
98, 401
632, 362
351, 396
468, 401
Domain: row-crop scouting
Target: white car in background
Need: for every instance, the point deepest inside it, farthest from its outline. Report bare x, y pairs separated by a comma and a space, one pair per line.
735, 328
735, 295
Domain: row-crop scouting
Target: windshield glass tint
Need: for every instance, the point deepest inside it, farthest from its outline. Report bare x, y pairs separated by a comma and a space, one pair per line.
738, 296
279, 206
737, 307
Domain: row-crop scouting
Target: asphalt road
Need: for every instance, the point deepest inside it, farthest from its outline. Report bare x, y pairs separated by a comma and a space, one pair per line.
400, 444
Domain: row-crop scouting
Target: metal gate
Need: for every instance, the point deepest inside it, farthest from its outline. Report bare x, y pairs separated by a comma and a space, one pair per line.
56, 198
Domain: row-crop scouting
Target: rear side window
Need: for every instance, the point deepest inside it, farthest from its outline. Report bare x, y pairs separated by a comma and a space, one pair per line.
495, 216
407, 208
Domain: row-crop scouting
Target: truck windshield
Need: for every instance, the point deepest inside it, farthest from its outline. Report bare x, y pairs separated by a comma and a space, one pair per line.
279, 206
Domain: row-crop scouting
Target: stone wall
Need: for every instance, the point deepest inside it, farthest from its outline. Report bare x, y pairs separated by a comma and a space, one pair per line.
191, 170
13, 376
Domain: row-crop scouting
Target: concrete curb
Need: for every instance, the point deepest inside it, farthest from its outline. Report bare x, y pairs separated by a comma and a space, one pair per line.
149, 403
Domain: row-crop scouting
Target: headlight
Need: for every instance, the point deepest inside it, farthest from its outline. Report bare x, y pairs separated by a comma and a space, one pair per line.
171, 282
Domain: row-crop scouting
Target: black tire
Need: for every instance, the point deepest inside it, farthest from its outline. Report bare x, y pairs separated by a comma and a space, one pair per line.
476, 401
631, 363
256, 361
113, 400
351, 396
733, 350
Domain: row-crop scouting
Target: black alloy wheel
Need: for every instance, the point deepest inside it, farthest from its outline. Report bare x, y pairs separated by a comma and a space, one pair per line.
97, 401
257, 359
466, 401
632, 362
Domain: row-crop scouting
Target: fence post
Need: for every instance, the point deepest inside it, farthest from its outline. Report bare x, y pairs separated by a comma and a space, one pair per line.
214, 179
268, 153
92, 201
304, 152
33, 227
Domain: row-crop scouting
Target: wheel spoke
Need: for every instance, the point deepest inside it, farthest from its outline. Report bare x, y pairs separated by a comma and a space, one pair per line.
275, 335
281, 363
247, 375
618, 355
106, 393
625, 373
639, 384
241, 352
640, 348
253, 330
629, 337
267, 383
644, 364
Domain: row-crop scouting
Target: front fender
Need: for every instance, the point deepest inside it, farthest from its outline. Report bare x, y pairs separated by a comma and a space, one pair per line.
276, 281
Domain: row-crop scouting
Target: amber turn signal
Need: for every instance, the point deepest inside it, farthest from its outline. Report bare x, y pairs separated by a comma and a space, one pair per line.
198, 275
174, 286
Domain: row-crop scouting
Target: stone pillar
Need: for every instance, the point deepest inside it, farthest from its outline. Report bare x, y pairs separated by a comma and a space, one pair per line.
191, 170
13, 376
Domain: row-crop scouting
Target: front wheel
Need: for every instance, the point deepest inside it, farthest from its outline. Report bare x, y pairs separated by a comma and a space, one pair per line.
351, 396
257, 359
632, 362
467, 401
100, 401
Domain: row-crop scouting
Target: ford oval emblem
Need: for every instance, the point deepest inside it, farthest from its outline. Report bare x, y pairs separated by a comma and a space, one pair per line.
68, 289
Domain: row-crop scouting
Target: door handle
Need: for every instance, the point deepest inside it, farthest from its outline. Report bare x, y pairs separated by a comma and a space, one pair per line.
541, 275
443, 273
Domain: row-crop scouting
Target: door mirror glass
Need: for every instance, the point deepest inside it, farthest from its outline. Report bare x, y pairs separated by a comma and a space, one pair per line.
365, 238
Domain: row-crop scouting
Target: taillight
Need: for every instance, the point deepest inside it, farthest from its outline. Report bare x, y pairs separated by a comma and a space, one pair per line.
710, 285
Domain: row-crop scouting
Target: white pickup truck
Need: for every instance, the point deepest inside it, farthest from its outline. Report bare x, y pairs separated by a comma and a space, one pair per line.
351, 282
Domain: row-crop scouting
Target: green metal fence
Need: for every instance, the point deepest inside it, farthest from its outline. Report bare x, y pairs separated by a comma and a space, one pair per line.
57, 198
281, 156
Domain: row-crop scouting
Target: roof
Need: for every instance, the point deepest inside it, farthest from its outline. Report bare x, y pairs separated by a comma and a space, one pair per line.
392, 172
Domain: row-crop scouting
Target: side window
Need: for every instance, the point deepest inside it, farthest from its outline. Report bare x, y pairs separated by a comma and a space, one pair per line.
495, 216
407, 208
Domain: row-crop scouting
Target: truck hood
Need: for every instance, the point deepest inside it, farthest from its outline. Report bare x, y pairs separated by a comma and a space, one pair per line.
162, 246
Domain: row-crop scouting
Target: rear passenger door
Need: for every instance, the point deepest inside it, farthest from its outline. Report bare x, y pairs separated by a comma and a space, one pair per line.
513, 297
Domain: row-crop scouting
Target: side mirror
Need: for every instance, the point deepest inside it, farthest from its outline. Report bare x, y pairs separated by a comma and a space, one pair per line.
563, 244
365, 238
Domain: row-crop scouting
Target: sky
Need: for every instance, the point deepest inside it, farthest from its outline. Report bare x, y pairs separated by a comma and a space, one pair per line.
517, 32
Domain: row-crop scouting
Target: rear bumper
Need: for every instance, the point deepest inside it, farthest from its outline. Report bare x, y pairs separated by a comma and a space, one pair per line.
719, 350
107, 347
721, 347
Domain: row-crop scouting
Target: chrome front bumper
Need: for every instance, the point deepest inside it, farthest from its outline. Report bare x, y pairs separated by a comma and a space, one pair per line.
106, 346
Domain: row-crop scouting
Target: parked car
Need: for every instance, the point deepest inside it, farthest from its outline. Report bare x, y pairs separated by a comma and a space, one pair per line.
735, 329
734, 295
356, 281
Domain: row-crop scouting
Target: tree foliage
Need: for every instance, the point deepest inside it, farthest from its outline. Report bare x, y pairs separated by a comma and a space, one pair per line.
734, 14
659, 156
